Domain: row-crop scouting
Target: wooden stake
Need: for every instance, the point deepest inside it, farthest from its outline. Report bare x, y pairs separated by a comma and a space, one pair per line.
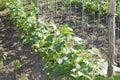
98, 21
111, 25
83, 21
36, 2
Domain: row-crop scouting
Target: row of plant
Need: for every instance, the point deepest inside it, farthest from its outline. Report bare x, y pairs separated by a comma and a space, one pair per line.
2, 5
94, 6
63, 53
91, 8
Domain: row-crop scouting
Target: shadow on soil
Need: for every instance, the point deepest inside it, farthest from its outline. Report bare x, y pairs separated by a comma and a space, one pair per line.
10, 44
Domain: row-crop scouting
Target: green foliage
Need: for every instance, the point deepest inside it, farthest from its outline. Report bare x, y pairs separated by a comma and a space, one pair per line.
62, 52
3, 58
118, 12
2, 4
17, 64
93, 6
18, 15
116, 77
100, 78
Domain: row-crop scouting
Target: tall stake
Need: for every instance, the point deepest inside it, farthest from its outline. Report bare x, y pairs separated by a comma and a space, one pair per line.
111, 24
98, 21
36, 3
83, 16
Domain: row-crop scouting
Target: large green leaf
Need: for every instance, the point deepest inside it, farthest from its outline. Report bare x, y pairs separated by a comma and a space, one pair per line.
59, 46
49, 38
79, 47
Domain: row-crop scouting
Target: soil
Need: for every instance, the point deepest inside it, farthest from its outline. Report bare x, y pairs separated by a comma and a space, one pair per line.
12, 47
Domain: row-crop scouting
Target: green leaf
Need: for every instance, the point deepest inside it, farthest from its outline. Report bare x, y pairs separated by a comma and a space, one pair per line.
54, 26
66, 30
47, 44
78, 47
59, 60
49, 38
59, 46
117, 77
59, 70
112, 78
100, 78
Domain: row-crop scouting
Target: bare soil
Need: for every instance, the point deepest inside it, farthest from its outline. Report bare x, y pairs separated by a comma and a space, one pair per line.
10, 45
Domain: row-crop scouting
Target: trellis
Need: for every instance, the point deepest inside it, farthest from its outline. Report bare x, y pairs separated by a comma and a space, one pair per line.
65, 13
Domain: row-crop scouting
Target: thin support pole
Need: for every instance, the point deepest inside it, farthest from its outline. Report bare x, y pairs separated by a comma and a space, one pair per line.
55, 8
98, 21
70, 10
111, 24
36, 3
83, 26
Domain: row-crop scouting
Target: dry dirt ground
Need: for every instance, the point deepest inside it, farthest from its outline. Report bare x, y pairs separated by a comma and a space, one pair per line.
11, 46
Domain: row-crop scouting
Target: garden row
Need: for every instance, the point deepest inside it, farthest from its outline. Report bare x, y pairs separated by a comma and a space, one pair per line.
63, 53
94, 7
